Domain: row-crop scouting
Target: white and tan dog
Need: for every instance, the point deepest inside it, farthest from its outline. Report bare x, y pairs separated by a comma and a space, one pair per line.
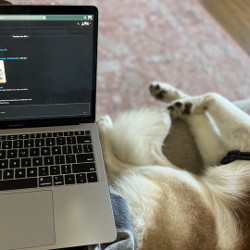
170, 207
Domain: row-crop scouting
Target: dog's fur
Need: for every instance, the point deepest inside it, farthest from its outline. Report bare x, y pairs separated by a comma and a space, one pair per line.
170, 207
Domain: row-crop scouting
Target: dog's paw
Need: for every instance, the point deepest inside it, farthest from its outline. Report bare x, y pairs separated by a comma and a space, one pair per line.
165, 92
187, 106
180, 108
104, 123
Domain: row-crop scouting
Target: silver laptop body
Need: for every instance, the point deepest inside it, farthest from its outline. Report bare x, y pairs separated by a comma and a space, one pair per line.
53, 186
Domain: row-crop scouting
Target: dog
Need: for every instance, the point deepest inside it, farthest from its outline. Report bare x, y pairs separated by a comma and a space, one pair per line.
172, 208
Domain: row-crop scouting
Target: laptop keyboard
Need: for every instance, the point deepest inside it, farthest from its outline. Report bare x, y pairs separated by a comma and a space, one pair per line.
46, 159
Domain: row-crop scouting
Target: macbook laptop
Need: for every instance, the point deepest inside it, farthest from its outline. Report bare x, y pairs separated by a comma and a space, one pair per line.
53, 186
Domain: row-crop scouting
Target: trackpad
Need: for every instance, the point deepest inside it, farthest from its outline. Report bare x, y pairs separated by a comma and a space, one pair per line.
26, 220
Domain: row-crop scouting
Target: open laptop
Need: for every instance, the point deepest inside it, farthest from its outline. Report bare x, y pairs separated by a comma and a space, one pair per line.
53, 186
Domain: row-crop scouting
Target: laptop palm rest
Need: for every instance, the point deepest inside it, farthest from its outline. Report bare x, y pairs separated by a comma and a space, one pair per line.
28, 218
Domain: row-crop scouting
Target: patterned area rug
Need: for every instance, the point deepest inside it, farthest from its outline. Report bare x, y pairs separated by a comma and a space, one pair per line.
166, 40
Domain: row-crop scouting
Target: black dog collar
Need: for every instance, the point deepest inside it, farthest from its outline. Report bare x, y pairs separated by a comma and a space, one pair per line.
235, 155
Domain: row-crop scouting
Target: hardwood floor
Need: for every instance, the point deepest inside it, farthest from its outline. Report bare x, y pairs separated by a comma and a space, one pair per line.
234, 17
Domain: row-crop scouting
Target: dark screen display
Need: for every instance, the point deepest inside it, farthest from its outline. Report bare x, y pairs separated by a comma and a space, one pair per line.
47, 67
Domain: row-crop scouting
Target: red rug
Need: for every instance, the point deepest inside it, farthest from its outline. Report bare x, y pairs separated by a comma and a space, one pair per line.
165, 40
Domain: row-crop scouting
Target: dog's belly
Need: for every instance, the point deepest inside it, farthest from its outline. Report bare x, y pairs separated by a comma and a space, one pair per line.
167, 209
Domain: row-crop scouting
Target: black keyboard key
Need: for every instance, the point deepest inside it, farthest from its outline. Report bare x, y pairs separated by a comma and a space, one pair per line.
29, 143
60, 141
8, 174
14, 163
54, 170
2, 137
57, 134
83, 139
48, 160
45, 151
67, 150
83, 167
50, 141
45, 181
46, 135
39, 142
18, 144
37, 161
25, 162
68, 133
58, 180
79, 132
77, 149
71, 140
3, 164
70, 159
35, 136
43, 171
2, 154
31, 172
24, 136
20, 173
81, 178
87, 148
59, 160
85, 158
70, 179
12, 153
66, 169
92, 177
56, 150
12, 137
7, 145
1, 174
34, 152
23, 152
18, 184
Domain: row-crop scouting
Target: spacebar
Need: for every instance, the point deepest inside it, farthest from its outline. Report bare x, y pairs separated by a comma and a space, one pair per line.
18, 184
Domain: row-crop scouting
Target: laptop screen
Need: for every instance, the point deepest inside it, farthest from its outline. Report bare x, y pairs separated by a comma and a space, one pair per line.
47, 64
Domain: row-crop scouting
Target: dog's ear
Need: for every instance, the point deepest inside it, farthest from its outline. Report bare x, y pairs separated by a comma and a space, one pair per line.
2, 2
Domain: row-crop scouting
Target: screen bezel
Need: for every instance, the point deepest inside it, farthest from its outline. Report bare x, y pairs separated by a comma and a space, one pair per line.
56, 10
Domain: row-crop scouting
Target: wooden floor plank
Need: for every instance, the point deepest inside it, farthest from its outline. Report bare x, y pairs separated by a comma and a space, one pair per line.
234, 17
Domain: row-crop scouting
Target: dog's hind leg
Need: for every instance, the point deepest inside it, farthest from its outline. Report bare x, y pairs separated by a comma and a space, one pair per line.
134, 139
113, 165
201, 126
232, 123
138, 136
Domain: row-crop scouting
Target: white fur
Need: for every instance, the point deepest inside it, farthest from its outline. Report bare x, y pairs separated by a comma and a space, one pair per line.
156, 189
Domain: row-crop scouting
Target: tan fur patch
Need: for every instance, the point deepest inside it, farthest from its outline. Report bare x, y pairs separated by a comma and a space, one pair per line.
240, 209
181, 221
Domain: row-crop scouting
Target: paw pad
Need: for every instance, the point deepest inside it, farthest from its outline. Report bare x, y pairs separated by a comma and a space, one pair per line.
187, 108
161, 94
157, 91
165, 92
178, 104
180, 108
